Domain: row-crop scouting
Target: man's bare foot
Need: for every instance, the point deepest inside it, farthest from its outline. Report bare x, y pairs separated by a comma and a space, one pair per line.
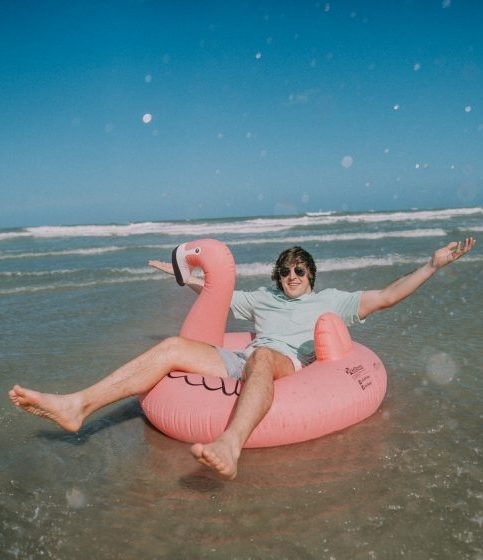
65, 410
219, 456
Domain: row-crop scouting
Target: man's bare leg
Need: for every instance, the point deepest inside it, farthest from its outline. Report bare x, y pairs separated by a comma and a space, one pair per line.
134, 378
222, 455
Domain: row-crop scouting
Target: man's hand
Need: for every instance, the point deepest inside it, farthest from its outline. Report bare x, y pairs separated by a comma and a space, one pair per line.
452, 252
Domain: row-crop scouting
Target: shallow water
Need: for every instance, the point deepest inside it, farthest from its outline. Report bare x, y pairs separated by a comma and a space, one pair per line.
406, 483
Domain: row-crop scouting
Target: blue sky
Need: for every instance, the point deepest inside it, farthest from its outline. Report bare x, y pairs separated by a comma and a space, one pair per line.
132, 110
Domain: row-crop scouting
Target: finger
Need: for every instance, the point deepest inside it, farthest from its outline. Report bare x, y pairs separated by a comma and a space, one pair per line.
467, 245
470, 242
463, 247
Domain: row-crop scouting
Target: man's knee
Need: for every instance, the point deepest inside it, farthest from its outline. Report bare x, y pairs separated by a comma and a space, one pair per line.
263, 360
173, 345
269, 361
263, 355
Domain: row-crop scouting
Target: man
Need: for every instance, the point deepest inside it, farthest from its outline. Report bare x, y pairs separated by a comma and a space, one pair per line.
271, 356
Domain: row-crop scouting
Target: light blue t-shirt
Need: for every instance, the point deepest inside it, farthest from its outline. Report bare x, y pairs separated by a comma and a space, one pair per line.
287, 324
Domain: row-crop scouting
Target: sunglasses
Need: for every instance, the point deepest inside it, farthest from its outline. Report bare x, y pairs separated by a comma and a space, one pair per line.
284, 271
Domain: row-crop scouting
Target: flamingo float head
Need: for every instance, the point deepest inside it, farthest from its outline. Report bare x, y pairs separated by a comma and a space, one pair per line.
206, 320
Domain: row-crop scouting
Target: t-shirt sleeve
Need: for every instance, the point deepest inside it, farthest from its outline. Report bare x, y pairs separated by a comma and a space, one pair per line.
347, 306
242, 305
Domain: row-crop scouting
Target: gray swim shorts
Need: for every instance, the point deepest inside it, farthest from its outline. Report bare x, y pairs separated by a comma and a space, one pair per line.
234, 362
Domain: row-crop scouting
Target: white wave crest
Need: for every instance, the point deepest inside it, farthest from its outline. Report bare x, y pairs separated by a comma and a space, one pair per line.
79, 271
9, 235
57, 286
63, 253
328, 265
238, 226
421, 215
352, 236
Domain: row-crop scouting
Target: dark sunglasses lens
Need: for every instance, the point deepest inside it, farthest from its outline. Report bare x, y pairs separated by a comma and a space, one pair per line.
285, 271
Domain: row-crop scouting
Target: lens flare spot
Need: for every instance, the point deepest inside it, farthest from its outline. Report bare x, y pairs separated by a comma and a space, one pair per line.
441, 368
347, 161
76, 499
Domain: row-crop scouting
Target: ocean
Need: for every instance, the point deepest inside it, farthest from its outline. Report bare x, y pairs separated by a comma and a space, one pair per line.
78, 301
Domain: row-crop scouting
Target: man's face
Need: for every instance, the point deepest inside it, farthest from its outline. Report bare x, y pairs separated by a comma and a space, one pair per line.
295, 280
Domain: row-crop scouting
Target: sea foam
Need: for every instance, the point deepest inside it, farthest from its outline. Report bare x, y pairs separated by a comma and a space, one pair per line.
251, 226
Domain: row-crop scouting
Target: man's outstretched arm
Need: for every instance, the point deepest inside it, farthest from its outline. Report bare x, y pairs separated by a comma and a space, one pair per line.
375, 300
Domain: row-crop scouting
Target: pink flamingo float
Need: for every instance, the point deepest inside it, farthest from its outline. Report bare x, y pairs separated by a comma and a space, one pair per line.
345, 385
